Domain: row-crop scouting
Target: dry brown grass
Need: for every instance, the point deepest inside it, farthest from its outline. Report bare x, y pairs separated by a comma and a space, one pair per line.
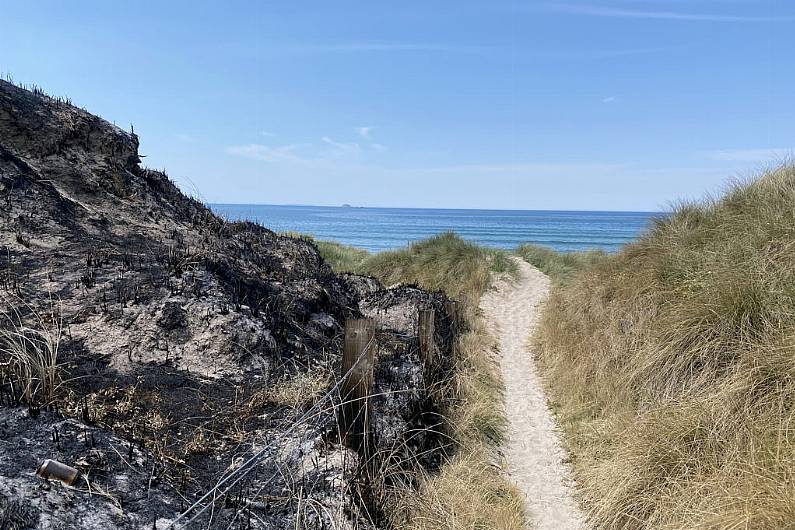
672, 367
29, 346
296, 391
471, 490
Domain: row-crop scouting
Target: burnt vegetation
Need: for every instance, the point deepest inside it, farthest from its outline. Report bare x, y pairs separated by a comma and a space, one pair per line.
172, 345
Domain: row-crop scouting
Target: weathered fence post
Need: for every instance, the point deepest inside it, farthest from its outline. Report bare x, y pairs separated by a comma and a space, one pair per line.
357, 362
425, 333
453, 312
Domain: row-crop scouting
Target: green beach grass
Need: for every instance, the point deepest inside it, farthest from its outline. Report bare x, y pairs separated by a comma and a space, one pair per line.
558, 265
444, 262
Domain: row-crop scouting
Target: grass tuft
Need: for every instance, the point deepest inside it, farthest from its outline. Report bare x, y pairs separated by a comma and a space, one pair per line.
558, 265
343, 258
468, 493
671, 366
29, 346
444, 262
297, 391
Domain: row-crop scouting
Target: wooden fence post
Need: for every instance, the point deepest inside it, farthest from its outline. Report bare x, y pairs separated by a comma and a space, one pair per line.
357, 362
453, 312
425, 332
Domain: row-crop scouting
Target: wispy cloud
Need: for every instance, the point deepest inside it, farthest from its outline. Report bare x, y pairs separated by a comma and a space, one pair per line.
380, 46
599, 54
267, 153
364, 132
342, 149
303, 175
767, 154
609, 99
485, 51
307, 154
327, 151
616, 12
520, 169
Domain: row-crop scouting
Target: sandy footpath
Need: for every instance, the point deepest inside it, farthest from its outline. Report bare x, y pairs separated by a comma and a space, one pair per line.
536, 458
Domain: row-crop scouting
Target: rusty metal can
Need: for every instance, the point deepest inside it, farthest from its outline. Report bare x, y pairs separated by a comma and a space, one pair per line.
52, 469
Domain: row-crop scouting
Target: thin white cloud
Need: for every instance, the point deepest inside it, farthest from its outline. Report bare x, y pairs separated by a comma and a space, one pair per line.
342, 149
364, 132
288, 156
379, 46
599, 54
609, 99
767, 154
615, 12
495, 51
521, 169
328, 152
267, 153
532, 184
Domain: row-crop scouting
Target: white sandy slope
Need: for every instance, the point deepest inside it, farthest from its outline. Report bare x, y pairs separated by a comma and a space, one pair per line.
536, 458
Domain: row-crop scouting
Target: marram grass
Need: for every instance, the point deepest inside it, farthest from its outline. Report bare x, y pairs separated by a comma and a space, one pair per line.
444, 262
672, 367
560, 266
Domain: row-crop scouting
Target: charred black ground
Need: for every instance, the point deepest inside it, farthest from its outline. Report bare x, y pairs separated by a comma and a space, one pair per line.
188, 344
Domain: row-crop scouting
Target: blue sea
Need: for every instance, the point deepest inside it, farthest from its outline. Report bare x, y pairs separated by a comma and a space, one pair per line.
377, 229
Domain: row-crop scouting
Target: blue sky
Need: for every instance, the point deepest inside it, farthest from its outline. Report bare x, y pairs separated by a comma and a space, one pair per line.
595, 104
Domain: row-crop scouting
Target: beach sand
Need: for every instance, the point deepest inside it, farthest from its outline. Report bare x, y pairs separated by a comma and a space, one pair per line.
535, 455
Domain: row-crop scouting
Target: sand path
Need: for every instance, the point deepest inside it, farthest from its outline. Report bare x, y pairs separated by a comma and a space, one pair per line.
536, 458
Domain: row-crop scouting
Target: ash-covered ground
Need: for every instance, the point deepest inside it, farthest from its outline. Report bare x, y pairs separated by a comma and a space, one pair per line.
186, 345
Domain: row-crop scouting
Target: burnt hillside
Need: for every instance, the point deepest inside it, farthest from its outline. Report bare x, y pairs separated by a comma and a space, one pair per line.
185, 344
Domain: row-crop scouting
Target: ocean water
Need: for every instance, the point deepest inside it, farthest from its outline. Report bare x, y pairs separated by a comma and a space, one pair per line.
377, 229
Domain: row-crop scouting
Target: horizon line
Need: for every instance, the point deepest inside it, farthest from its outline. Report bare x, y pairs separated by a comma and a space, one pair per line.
355, 207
